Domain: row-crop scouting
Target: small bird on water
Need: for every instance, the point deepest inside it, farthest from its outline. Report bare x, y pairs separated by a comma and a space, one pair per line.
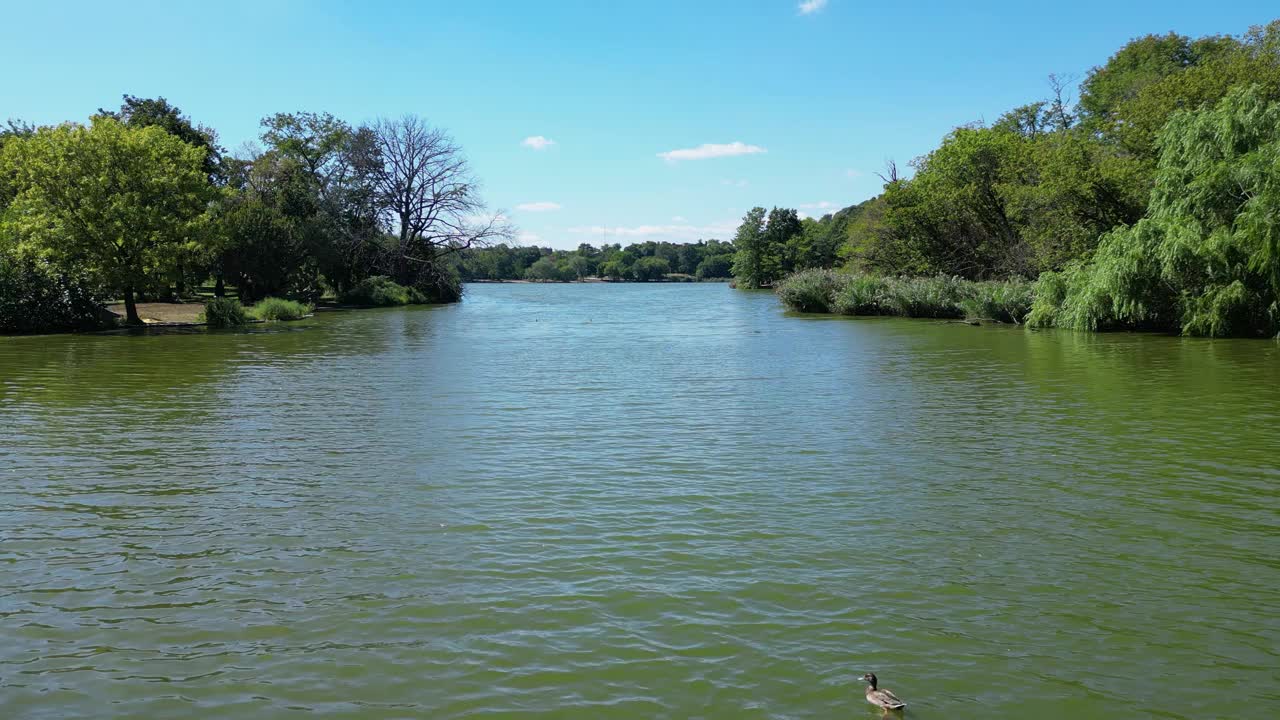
881, 698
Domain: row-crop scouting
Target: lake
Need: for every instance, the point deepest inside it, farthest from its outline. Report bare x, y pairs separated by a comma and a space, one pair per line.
637, 501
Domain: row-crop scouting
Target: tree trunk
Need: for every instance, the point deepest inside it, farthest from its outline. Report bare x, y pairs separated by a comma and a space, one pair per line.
131, 308
220, 288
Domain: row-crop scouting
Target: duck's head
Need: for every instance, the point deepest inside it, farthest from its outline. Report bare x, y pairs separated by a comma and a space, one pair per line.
870, 678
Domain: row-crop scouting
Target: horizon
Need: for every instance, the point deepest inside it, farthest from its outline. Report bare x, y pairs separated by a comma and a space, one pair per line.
586, 126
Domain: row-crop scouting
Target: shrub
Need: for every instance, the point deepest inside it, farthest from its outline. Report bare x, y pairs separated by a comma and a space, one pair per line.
1003, 301
932, 297
936, 297
861, 295
280, 309
382, 291
38, 296
811, 291
222, 312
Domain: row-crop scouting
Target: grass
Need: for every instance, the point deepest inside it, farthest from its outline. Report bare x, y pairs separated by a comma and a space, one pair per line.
280, 309
831, 291
223, 313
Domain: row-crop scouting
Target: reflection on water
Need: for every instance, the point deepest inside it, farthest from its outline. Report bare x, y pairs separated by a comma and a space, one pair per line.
635, 501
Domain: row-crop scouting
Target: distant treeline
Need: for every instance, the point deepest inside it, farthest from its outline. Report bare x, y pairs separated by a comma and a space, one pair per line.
142, 203
1150, 202
640, 262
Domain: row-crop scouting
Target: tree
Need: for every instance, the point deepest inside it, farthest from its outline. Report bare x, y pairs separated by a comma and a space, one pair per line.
754, 264
318, 171
544, 269
122, 202
715, 266
650, 268
1207, 256
781, 233
259, 250
139, 112
425, 188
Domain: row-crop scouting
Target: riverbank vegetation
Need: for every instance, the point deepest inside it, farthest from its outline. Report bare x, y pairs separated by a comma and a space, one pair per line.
275, 309
142, 204
1149, 203
639, 262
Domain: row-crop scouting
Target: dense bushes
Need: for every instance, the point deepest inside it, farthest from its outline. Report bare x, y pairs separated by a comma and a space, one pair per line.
828, 291
382, 291
221, 312
37, 296
279, 309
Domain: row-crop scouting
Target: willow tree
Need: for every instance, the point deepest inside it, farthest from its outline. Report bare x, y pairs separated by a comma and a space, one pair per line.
118, 202
1206, 258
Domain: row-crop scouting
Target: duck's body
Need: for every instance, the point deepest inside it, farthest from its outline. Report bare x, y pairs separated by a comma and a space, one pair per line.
879, 697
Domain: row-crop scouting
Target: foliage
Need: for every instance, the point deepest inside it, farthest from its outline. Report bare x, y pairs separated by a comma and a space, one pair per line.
827, 291
261, 250
37, 296
705, 259
650, 268
811, 291
1206, 259
545, 269
715, 266
273, 308
382, 291
222, 312
139, 112
121, 204
755, 263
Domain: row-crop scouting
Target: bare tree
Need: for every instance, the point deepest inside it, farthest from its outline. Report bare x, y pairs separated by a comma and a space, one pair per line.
428, 194
1058, 115
890, 174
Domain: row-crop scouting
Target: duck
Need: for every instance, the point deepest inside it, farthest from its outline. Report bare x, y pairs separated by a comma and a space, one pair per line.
881, 698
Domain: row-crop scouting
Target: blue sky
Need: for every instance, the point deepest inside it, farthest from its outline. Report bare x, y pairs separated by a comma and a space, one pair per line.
795, 108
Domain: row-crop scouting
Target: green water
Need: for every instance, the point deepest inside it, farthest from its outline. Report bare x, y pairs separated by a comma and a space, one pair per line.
629, 501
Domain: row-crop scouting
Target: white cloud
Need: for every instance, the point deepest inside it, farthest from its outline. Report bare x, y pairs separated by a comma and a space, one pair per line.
851, 173
543, 206
735, 183
528, 238
809, 7
822, 205
537, 142
711, 150
678, 219
722, 230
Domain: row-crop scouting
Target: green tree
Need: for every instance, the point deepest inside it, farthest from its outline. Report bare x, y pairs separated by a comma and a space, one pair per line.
544, 269
755, 264
781, 234
1207, 256
715, 266
139, 112
121, 202
650, 268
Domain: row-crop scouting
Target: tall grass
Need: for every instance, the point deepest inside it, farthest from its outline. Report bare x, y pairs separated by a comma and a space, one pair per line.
828, 291
273, 308
222, 312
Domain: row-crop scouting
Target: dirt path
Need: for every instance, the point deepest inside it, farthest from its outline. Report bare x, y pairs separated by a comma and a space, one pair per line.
152, 313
